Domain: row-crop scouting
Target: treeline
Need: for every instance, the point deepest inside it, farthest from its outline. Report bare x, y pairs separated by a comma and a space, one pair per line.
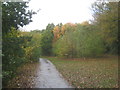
93, 39
78, 40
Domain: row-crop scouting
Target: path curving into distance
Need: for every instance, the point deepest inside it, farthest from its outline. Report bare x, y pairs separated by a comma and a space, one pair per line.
49, 77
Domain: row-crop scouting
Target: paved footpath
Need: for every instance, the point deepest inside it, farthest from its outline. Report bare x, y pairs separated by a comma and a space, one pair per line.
49, 77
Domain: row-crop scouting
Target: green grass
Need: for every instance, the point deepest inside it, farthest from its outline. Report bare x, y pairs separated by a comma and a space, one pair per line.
89, 73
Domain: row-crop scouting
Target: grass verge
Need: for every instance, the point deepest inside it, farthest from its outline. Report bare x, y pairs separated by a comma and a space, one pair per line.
89, 72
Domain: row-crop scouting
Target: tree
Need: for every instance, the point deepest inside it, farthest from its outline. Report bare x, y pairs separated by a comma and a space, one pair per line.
59, 30
106, 20
56, 32
46, 40
14, 14
32, 48
13, 54
64, 46
89, 42
50, 26
85, 23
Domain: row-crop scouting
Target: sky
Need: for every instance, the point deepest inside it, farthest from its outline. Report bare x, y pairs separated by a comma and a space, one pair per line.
58, 11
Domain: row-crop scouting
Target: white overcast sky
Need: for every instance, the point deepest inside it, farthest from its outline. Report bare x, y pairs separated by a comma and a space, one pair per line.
58, 11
